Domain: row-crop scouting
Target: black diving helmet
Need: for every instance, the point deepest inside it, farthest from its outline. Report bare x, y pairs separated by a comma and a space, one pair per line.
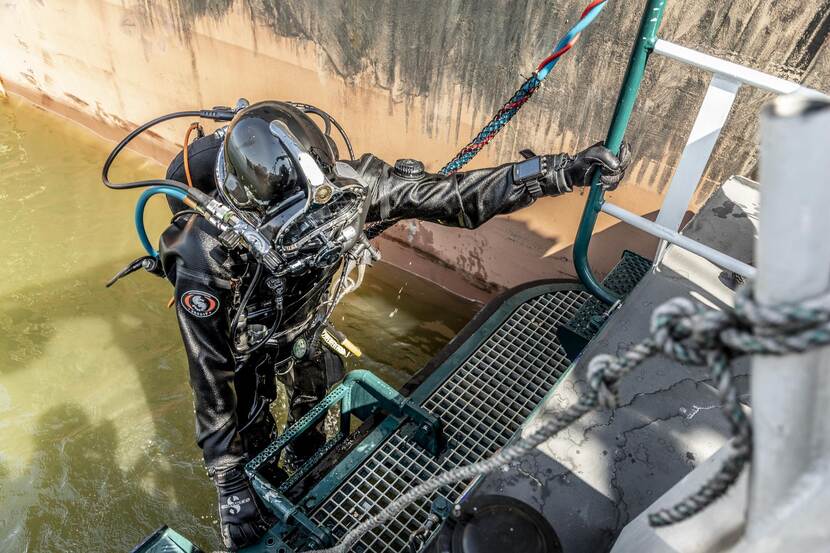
279, 171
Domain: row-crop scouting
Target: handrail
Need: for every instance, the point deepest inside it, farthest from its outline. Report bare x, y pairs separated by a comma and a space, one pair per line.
643, 46
718, 258
734, 71
728, 77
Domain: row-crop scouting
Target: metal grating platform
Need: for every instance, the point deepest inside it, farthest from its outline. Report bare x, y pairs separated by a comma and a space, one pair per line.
482, 404
576, 333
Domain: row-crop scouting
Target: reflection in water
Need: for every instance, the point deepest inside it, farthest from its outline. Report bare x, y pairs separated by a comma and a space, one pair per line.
96, 417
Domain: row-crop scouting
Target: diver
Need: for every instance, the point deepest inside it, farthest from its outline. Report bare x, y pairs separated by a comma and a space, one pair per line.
247, 320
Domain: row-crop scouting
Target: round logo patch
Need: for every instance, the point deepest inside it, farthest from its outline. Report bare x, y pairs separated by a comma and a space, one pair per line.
199, 304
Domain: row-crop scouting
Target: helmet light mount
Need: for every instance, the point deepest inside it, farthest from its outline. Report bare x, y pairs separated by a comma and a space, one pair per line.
321, 190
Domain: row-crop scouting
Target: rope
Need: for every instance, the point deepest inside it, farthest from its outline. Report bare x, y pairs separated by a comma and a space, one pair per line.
521, 96
685, 332
512, 106
496, 124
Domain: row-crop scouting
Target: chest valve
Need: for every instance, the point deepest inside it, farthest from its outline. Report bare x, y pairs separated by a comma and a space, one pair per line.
408, 169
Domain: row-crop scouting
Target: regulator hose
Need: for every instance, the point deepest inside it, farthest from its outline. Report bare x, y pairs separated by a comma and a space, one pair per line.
139, 212
244, 303
217, 114
329, 121
190, 196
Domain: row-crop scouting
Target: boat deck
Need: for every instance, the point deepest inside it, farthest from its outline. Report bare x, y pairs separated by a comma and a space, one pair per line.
607, 468
482, 403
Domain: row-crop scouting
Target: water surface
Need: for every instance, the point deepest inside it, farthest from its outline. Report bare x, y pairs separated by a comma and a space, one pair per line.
96, 418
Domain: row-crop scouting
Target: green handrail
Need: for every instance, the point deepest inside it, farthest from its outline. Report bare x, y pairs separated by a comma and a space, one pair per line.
643, 46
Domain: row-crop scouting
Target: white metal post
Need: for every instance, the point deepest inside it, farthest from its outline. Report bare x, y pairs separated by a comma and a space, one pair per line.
790, 484
710, 120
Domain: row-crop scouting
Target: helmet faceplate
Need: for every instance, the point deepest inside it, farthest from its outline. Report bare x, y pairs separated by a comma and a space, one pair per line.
259, 172
277, 163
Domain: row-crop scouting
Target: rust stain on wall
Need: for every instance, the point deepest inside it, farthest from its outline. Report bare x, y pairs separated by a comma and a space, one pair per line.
418, 79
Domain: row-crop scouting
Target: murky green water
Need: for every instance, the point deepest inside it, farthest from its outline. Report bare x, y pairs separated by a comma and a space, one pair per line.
96, 418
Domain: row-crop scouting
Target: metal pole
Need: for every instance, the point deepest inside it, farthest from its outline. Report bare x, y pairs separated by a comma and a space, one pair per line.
643, 45
655, 229
731, 70
790, 483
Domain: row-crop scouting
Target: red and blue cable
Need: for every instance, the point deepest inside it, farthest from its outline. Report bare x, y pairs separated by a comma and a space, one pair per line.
521, 96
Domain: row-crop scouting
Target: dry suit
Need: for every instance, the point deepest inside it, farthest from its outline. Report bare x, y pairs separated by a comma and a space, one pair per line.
232, 394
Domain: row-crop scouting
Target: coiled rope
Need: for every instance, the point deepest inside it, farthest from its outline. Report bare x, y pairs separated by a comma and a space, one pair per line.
512, 106
683, 331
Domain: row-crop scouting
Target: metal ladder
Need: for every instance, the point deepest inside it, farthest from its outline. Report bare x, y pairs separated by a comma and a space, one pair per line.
727, 79
790, 429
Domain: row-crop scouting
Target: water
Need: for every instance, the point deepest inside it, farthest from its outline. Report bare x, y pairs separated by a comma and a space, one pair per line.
96, 419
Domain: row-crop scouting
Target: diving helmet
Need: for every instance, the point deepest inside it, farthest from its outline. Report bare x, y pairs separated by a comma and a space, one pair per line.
279, 168
260, 172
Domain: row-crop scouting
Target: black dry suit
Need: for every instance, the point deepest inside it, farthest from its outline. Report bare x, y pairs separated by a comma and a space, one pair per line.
232, 393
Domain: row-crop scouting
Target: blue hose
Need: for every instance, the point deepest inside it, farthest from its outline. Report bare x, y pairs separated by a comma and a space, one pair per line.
139, 213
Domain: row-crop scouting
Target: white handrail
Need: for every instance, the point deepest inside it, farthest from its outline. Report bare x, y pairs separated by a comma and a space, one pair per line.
718, 258
727, 79
741, 73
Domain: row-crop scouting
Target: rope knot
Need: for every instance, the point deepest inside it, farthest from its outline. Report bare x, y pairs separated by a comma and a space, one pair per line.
688, 333
603, 376
778, 329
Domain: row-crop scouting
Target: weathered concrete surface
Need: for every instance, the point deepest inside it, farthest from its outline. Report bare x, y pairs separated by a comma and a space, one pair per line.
610, 466
419, 79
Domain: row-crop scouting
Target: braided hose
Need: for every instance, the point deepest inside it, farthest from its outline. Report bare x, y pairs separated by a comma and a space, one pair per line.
521, 96
494, 126
512, 106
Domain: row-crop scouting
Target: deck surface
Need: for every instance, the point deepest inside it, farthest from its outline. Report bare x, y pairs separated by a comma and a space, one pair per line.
591, 480
482, 402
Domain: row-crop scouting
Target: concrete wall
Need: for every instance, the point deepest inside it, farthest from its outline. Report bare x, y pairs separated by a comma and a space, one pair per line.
418, 79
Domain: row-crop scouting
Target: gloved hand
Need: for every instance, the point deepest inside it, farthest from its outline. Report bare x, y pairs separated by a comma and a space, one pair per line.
242, 518
565, 172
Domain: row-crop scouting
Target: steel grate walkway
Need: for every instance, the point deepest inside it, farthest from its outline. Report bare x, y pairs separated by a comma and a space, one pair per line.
482, 404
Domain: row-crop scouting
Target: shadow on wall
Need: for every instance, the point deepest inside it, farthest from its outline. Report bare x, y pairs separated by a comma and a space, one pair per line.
458, 57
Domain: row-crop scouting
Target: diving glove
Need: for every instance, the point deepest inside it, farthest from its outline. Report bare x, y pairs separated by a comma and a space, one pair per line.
242, 518
565, 172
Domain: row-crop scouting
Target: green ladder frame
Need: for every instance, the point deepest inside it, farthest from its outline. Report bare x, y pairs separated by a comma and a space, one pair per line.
643, 47
361, 394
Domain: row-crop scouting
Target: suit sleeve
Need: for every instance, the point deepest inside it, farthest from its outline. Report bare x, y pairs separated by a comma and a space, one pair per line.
203, 299
464, 199
202, 313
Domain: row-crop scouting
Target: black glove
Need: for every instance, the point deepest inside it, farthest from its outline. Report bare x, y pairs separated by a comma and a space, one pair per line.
565, 172
242, 518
